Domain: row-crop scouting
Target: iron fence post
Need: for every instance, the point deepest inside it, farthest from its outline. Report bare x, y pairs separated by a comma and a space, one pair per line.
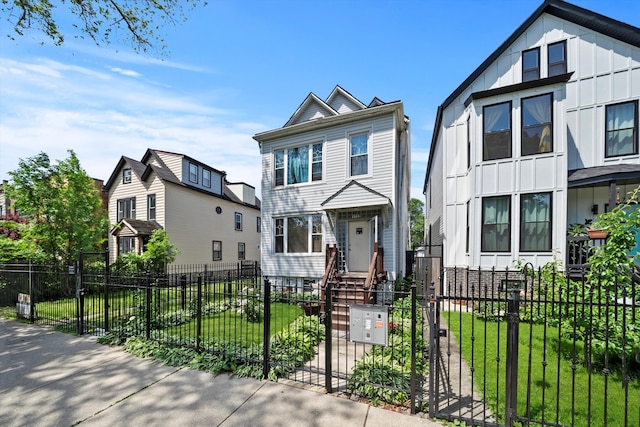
199, 313
413, 346
433, 349
327, 339
106, 291
32, 293
148, 304
267, 329
511, 382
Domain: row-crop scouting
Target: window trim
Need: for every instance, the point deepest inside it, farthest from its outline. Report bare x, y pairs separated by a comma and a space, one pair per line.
120, 215
563, 43
529, 70
521, 225
351, 156
242, 253
237, 221
484, 132
126, 176
131, 247
550, 124
310, 234
219, 251
206, 182
151, 209
635, 128
193, 175
509, 225
285, 164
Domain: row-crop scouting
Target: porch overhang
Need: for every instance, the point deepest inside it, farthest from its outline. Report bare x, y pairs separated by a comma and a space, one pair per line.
355, 195
600, 175
134, 227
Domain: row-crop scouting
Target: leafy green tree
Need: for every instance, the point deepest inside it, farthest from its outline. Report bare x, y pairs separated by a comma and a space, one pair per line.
137, 21
416, 222
12, 245
159, 251
62, 204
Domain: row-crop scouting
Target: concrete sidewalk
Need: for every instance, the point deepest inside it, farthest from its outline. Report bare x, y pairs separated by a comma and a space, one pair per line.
53, 379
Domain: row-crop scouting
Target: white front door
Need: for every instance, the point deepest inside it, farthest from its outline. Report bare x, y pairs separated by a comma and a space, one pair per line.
359, 245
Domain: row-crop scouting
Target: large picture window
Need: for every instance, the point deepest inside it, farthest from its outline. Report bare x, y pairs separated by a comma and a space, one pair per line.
535, 222
497, 131
531, 64
298, 234
537, 127
496, 224
621, 129
298, 165
126, 208
359, 154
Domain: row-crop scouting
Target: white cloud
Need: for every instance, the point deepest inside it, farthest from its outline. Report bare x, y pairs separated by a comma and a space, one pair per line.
129, 73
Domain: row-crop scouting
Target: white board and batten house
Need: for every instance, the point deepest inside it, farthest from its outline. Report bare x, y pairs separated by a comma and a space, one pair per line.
208, 219
542, 135
336, 175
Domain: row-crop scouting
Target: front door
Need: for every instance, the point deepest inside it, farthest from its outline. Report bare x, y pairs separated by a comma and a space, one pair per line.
358, 241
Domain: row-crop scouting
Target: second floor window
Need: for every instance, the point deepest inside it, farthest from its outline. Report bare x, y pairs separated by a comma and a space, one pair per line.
298, 165
535, 222
126, 176
359, 154
531, 64
621, 127
496, 224
557, 59
238, 221
193, 172
536, 125
497, 131
126, 208
151, 207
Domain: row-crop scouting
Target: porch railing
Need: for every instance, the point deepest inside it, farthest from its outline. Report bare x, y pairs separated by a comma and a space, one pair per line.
331, 265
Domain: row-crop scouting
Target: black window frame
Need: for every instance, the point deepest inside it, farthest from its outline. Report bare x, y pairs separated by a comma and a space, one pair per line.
469, 142
562, 64
127, 204
524, 241
218, 251
540, 125
468, 228
530, 74
126, 176
634, 135
485, 233
485, 134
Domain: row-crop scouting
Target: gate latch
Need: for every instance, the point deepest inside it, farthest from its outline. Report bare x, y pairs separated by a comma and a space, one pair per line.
442, 332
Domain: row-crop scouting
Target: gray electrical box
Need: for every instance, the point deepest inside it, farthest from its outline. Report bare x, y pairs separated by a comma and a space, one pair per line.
369, 324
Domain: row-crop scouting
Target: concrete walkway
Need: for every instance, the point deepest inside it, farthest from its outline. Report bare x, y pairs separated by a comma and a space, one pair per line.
53, 379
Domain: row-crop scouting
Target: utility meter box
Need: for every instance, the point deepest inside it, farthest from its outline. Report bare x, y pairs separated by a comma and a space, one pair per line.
369, 324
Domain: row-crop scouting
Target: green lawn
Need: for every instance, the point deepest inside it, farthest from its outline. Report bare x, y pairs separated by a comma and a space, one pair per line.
550, 388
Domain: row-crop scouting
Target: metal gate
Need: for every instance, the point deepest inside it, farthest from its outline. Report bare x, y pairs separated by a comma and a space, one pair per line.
92, 293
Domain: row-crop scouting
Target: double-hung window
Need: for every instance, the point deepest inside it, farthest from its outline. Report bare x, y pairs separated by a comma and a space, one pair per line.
535, 222
241, 251
206, 178
217, 250
151, 207
496, 224
258, 224
298, 234
537, 126
497, 131
238, 221
298, 165
621, 127
126, 245
557, 59
126, 176
127, 208
359, 146
531, 64
193, 172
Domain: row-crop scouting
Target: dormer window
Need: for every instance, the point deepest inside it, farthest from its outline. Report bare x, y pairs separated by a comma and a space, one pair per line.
193, 173
531, 64
557, 59
206, 178
126, 176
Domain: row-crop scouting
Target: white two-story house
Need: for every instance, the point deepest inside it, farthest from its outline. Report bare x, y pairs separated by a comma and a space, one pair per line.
208, 219
335, 179
542, 135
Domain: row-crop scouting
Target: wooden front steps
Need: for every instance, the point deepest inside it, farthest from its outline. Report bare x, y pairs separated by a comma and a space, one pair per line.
348, 289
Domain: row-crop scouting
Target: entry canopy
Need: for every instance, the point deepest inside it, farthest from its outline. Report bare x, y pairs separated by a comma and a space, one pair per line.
355, 195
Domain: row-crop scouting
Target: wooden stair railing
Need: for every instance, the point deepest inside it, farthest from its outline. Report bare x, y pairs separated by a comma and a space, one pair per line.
331, 265
376, 271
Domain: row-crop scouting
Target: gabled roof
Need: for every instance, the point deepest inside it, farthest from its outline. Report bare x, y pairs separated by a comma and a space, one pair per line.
563, 10
137, 227
310, 100
339, 91
355, 194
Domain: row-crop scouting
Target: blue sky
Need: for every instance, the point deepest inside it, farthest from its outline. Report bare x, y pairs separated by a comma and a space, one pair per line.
240, 67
